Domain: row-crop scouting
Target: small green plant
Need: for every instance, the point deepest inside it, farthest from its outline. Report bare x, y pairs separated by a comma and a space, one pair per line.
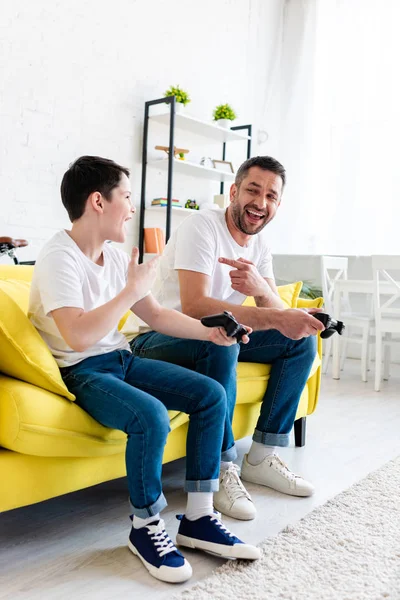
180, 95
224, 111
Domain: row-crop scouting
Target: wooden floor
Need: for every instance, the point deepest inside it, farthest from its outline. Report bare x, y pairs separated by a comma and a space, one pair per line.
75, 546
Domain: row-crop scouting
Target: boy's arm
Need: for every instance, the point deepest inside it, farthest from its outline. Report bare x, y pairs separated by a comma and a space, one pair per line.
173, 323
82, 329
196, 302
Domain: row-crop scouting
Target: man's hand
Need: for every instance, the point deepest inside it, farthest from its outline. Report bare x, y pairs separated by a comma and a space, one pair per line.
245, 278
218, 336
140, 278
296, 323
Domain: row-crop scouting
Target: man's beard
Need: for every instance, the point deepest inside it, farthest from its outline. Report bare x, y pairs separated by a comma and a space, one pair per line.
239, 220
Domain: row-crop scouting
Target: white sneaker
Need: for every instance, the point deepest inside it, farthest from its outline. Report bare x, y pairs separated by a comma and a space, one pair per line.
233, 499
272, 472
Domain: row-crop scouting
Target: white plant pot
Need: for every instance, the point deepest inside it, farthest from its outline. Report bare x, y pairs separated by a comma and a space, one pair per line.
179, 107
226, 123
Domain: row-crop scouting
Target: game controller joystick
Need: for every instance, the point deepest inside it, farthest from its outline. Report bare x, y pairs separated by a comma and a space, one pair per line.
330, 325
228, 322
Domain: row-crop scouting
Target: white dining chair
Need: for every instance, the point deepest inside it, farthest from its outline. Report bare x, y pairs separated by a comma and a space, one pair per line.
334, 268
386, 272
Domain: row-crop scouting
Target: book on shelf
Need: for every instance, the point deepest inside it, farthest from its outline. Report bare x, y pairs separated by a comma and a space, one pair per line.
154, 240
164, 202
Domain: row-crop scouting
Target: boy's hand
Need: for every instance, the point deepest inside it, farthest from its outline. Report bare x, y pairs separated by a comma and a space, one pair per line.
218, 336
140, 278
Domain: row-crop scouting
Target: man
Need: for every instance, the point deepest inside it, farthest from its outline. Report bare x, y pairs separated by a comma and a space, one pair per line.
213, 261
81, 288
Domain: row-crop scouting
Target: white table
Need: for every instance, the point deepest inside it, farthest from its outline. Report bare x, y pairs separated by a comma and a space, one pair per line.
357, 286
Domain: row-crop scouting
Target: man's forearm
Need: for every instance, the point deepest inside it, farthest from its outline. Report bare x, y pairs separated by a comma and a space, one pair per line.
257, 318
269, 300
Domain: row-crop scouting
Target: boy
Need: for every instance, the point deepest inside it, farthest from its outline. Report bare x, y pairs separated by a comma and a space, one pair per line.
81, 288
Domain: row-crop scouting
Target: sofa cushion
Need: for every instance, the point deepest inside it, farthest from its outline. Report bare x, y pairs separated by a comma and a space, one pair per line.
289, 294
23, 353
256, 375
38, 422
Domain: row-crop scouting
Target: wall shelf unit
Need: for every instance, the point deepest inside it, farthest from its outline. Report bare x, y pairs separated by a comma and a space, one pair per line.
182, 122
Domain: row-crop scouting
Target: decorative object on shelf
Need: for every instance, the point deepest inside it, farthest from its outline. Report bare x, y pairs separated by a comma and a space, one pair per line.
154, 240
192, 204
177, 151
164, 202
181, 97
223, 165
223, 115
222, 200
181, 156
206, 161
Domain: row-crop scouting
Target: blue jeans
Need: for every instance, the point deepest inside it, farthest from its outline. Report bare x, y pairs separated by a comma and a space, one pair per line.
291, 362
134, 394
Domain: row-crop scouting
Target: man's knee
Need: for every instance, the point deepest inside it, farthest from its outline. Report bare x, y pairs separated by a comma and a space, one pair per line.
222, 354
308, 347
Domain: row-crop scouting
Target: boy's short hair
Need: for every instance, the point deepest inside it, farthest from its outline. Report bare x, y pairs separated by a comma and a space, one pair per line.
267, 163
86, 175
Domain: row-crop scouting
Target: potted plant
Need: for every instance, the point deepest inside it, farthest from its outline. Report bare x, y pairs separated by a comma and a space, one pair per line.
181, 97
223, 114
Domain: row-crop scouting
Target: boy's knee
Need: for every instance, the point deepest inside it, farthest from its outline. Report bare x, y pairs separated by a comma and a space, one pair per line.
153, 421
216, 396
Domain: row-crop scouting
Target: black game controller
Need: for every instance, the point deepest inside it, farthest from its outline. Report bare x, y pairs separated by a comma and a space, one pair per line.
228, 322
330, 325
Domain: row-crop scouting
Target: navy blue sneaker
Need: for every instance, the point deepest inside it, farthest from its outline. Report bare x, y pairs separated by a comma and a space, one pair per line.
158, 554
210, 535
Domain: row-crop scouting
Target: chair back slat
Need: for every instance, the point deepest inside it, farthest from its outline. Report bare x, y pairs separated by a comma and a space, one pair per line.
385, 285
333, 268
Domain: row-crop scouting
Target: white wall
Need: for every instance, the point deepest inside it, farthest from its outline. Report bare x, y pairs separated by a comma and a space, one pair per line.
74, 77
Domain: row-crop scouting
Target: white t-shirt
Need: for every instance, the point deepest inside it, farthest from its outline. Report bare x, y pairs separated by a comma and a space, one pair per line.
196, 245
65, 277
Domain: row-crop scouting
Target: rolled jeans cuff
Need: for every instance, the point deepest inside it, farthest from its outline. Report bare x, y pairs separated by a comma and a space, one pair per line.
208, 485
149, 511
230, 454
271, 439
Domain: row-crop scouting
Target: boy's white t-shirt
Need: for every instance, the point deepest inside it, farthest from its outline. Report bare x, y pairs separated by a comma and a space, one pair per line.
65, 277
196, 245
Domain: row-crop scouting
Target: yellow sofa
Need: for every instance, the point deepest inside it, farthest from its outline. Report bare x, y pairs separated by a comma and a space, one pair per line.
48, 445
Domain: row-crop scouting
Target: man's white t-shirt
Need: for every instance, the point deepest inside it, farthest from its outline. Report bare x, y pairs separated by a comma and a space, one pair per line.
196, 245
65, 277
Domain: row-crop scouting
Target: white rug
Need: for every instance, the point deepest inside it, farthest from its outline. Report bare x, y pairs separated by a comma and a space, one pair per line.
348, 549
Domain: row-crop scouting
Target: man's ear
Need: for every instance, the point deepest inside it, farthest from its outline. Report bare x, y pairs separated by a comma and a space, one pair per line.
233, 192
96, 201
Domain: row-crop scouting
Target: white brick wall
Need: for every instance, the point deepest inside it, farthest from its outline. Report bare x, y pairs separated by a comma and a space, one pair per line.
74, 77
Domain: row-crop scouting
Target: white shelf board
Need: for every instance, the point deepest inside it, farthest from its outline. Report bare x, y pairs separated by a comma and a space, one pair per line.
177, 209
186, 123
187, 168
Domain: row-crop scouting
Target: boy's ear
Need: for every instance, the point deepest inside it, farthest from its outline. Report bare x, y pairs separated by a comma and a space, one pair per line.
96, 201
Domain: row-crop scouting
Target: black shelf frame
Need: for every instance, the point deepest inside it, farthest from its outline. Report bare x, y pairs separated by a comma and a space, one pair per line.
171, 101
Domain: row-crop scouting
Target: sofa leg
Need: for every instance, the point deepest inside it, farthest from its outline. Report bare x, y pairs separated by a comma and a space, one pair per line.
300, 432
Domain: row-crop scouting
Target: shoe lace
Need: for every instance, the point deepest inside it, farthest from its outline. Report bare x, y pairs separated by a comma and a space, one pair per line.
161, 539
232, 483
281, 466
219, 524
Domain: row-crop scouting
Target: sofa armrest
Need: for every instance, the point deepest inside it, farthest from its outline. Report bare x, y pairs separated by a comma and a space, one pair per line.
314, 382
